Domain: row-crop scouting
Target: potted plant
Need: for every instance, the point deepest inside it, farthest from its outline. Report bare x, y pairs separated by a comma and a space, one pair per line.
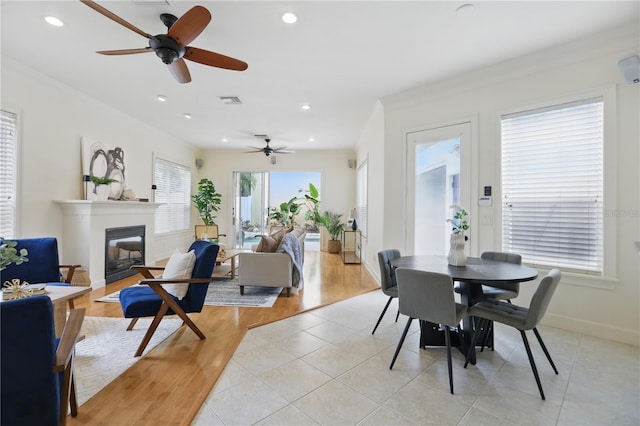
332, 222
311, 201
459, 224
207, 200
102, 186
247, 183
284, 215
9, 254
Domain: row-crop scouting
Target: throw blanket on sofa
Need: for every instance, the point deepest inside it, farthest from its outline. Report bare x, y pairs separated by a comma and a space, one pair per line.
291, 246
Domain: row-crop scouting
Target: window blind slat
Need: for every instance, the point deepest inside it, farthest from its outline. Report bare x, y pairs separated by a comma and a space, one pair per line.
552, 184
8, 173
173, 189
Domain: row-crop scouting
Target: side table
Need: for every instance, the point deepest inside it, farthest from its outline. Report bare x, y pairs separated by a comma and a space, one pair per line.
351, 245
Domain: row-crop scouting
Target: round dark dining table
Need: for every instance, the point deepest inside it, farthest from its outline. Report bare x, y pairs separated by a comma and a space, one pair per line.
470, 278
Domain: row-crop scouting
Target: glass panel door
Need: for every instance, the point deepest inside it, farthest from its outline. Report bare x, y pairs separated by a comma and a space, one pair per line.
256, 192
250, 210
434, 184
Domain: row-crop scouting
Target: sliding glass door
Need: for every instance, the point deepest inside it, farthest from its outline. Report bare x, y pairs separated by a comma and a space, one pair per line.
250, 209
256, 192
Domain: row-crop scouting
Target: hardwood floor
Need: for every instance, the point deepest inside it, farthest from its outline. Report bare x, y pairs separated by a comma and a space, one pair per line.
169, 384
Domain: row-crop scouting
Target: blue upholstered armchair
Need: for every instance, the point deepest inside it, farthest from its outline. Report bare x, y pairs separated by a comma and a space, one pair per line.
43, 265
37, 384
150, 299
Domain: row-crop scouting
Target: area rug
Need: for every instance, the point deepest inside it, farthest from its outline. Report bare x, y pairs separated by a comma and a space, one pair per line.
227, 293
107, 350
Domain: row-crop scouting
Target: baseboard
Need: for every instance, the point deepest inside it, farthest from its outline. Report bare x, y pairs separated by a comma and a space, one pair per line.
594, 329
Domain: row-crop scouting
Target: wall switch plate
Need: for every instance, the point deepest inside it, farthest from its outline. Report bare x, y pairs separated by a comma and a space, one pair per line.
484, 201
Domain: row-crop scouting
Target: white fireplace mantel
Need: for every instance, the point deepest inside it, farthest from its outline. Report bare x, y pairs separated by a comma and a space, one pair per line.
84, 225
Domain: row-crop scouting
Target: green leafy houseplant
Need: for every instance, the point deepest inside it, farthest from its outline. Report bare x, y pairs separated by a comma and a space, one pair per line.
102, 180
460, 221
285, 213
207, 201
9, 254
247, 183
333, 223
311, 201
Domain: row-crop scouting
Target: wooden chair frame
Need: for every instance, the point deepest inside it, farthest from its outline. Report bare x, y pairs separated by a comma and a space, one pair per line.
167, 302
65, 360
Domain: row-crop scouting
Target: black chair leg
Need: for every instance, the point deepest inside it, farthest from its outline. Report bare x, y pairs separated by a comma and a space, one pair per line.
488, 333
447, 339
404, 334
474, 340
382, 314
544, 348
532, 362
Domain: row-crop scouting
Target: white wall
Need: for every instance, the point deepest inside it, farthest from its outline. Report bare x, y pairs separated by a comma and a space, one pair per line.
604, 307
370, 147
337, 188
52, 120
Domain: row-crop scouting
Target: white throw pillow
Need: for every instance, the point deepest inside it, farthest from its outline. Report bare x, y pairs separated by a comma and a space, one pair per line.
180, 265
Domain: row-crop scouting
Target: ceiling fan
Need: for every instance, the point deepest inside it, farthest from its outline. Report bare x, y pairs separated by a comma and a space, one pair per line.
172, 47
268, 150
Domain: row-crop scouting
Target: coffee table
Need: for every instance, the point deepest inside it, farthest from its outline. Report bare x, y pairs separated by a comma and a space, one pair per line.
59, 296
222, 269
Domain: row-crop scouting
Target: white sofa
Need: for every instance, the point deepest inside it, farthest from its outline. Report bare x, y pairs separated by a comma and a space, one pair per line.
264, 269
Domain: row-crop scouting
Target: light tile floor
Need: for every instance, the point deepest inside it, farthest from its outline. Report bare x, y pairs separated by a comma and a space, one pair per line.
324, 367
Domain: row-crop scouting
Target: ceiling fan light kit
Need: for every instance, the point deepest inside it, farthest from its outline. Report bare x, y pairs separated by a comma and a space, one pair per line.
172, 48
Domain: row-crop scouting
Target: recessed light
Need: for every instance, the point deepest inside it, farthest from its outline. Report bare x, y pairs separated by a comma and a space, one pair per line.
289, 17
225, 140
312, 140
306, 107
52, 20
161, 98
187, 115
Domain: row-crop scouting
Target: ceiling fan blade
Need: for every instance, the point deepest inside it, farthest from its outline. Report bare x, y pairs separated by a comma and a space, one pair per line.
125, 51
214, 59
180, 71
283, 151
95, 6
253, 151
189, 25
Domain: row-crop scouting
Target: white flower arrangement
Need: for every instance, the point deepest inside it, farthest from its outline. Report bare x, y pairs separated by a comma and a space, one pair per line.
460, 221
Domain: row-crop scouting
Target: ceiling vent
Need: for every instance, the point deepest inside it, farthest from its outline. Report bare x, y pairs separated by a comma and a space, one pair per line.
230, 100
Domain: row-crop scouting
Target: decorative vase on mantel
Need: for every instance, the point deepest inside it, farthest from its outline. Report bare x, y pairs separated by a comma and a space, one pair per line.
102, 192
457, 256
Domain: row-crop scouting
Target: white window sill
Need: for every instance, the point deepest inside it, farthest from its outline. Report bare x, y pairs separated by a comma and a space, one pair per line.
584, 280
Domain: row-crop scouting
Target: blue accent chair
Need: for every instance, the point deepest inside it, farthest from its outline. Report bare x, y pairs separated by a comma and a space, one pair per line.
150, 299
37, 369
43, 265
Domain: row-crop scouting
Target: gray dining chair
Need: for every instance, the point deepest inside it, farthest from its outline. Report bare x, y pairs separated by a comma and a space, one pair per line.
428, 296
387, 280
499, 291
520, 318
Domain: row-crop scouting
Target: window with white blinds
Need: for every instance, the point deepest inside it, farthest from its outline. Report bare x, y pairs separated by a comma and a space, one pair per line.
8, 173
552, 186
173, 189
363, 202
